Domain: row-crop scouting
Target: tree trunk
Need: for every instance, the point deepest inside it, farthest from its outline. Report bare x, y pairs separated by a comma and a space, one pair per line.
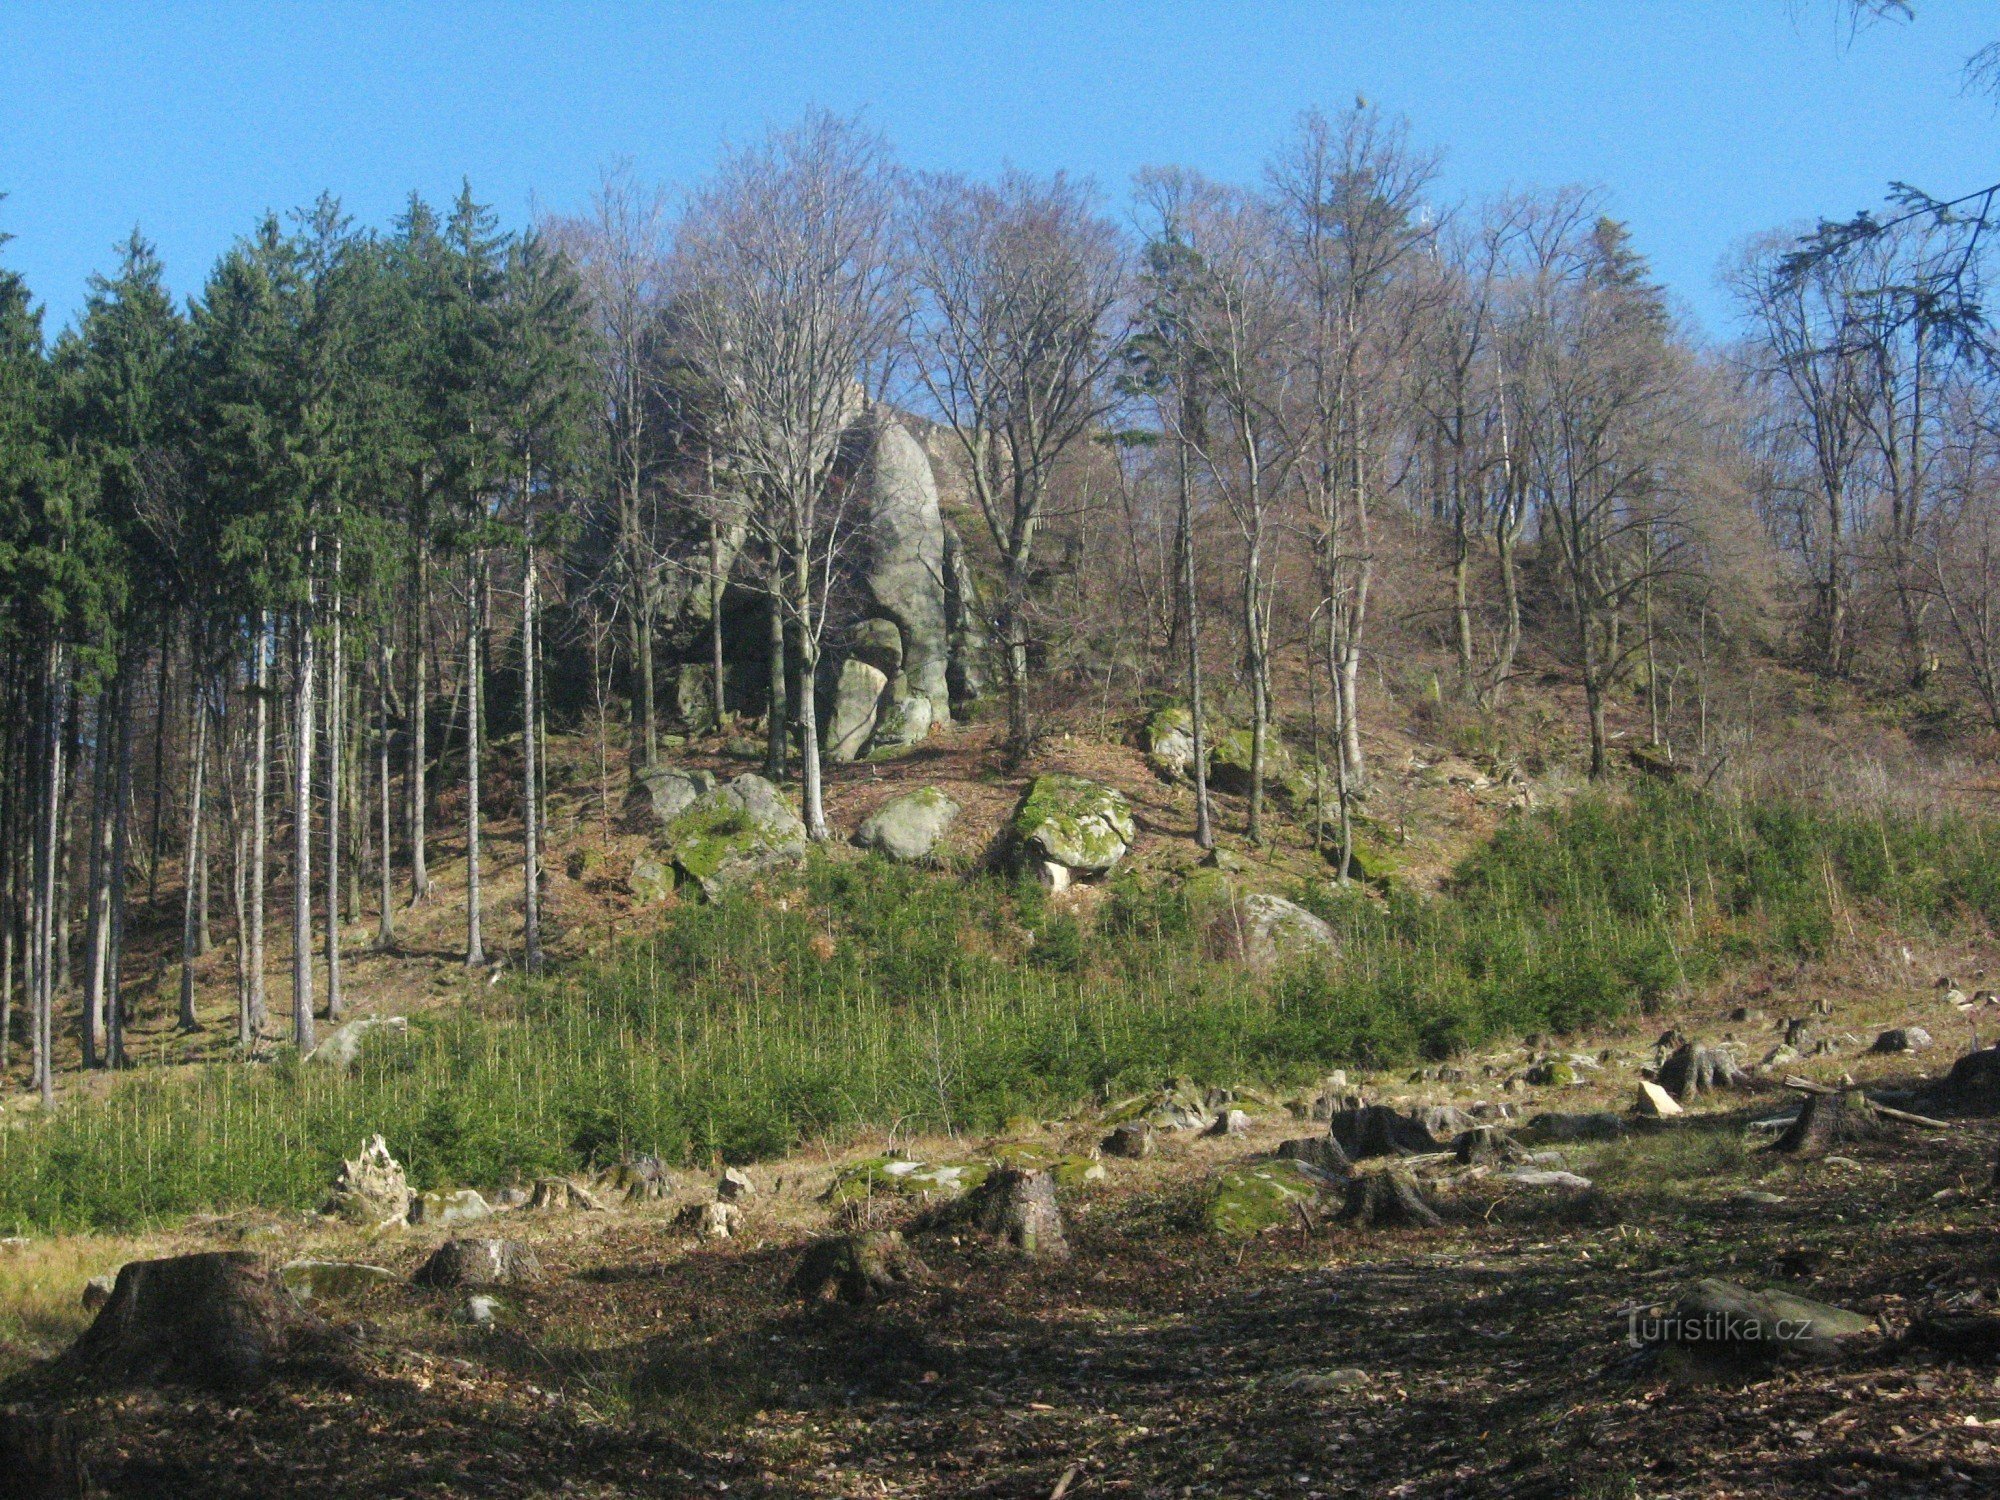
385, 934
420, 879
531, 809
45, 879
195, 853
121, 841
715, 588
475, 951
302, 892
336, 703
808, 704
1260, 697
260, 770
1204, 829
97, 922
775, 725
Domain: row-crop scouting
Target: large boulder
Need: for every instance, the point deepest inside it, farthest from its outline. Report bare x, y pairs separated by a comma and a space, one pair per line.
909, 828
736, 833
659, 796
1229, 762
1169, 740
217, 1319
857, 698
1266, 931
1069, 826
905, 571
370, 1190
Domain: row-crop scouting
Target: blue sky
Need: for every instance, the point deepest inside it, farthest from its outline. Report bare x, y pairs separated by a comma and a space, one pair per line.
1705, 120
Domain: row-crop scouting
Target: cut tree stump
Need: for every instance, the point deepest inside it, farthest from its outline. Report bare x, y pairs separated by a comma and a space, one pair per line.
1696, 1069
856, 1268
1971, 1088
1827, 1121
1722, 1319
218, 1319
1017, 1206
480, 1263
40, 1456
1966, 1335
1489, 1146
1377, 1130
1321, 1152
1387, 1200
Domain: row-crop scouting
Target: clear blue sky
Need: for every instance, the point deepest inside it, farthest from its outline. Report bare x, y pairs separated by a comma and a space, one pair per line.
1705, 120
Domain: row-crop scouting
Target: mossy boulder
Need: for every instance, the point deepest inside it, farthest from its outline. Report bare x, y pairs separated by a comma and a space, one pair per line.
905, 722
1267, 932
1553, 1073
1251, 1200
659, 796
909, 828
1169, 742
333, 1280
1068, 1171
651, 880
1229, 762
734, 834
1071, 825
894, 1176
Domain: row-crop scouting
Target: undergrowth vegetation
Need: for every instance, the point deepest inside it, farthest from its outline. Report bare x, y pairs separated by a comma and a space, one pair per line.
884, 997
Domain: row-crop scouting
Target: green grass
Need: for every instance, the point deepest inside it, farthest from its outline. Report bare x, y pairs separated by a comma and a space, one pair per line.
738, 1032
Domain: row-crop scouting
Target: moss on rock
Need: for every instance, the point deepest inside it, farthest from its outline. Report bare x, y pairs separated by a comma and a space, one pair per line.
1247, 1201
1074, 822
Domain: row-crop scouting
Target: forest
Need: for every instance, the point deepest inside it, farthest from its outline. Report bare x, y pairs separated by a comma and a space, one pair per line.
282, 562
970, 835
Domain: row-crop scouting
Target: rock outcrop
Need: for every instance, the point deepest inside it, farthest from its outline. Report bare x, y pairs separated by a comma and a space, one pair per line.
1266, 931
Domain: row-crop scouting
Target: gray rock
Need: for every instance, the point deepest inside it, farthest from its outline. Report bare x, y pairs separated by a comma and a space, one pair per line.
480, 1310
1070, 825
458, 1206
905, 572
659, 796
880, 644
1721, 1318
1230, 1122
1268, 931
735, 1186
735, 834
97, 1291
906, 721
342, 1047
857, 696
1170, 743
909, 828
651, 880
480, 1263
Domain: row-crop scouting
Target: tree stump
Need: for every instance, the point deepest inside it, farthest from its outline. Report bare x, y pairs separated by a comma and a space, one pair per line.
856, 1268
218, 1319
1798, 1032
1377, 1130
370, 1190
1387, 1200
1971, 1088
40, 1456
480, 1263
1133, 1140
558, 1194
1017, 1207
1829, 1120
1489, 1146
1321, 1152
1695, 1069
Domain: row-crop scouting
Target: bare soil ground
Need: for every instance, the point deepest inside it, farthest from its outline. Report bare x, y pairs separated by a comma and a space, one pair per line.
1485, 1359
